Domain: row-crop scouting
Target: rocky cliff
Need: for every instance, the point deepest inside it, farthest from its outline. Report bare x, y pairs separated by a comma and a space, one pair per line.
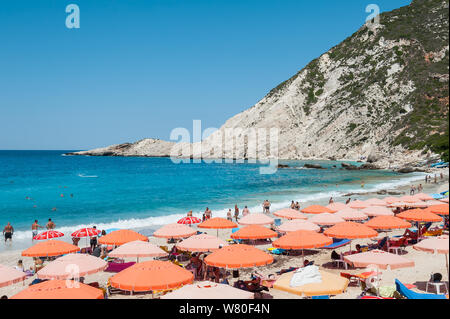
381, 94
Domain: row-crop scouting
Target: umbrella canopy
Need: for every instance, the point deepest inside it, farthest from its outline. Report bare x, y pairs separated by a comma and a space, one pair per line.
209, 290
350, 230
351, 214
189, 220
201, 243
297, 224
175, 231
289, 213
331, 285
72, 266
136, 249
302, 239
50, 248
86, 232
439, 209
408, 199
377, 211
400, 204
256, 219
59, 289
9, 276
336, 206
445, 200
151, 275
391, 199
387, 222
418, 204
326, 219
238, 256
433, 202
358, 204
49, 234
121, 236
434, 245
375, 202
423, 196
419, 215
317, 209
254, 232
379, 258
218, 223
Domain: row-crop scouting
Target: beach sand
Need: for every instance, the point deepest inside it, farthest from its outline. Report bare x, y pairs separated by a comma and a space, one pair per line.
425, 263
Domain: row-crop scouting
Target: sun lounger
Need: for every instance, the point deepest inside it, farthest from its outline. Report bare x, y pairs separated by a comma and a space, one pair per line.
117, 267
276, 251
320, 297
415, 295
337, 243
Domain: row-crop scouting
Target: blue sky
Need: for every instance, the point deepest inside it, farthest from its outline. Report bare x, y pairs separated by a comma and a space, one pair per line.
137, 69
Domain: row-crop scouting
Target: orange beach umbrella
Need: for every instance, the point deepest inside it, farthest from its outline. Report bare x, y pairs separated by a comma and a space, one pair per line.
302, 239
350, 230
59, 289
387, 222
379, 258
298, 224
419, 215
217, 223
121, 236
151, 275
254, 232
201, 243
317, 209
326, 219
336, 206
238, 256
358, 204
50, 248
439, 209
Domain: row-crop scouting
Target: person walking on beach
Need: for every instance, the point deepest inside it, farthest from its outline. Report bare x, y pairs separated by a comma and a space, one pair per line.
229, 217
348, 200
435, 178
331, 201
34, 229
8, 231
50, 225
413, 189
236, 212
245, 211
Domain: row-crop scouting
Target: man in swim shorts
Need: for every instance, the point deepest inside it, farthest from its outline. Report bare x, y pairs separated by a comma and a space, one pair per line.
8, 232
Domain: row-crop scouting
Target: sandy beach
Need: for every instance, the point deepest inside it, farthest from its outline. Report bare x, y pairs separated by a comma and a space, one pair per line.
425, 263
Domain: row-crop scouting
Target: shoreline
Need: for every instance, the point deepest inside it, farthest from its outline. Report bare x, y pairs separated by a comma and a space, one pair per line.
403, 187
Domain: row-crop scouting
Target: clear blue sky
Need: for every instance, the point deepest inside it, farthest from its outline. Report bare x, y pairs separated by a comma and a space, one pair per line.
140, 68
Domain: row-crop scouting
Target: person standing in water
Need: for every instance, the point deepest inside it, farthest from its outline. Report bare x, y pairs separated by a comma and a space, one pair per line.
189, 214
34, 229
331, 200
297, 206
236, 212
245, 211
8, 231
50, 225
292, 205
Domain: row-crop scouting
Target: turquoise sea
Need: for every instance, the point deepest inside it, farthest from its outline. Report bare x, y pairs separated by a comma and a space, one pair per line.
128, 192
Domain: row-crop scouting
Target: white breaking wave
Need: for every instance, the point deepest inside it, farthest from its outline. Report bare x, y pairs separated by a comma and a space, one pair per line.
158, 221
87, 176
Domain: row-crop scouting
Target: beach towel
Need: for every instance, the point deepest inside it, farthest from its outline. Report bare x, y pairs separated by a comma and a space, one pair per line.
305, 275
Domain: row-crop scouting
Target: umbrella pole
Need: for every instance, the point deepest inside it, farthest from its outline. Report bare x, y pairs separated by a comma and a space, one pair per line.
446, 263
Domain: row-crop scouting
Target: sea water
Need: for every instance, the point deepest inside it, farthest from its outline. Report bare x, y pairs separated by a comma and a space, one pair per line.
136, 192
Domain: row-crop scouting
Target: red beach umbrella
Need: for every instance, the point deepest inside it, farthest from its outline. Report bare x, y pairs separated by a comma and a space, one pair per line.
85, 232
189, 220
49, 234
